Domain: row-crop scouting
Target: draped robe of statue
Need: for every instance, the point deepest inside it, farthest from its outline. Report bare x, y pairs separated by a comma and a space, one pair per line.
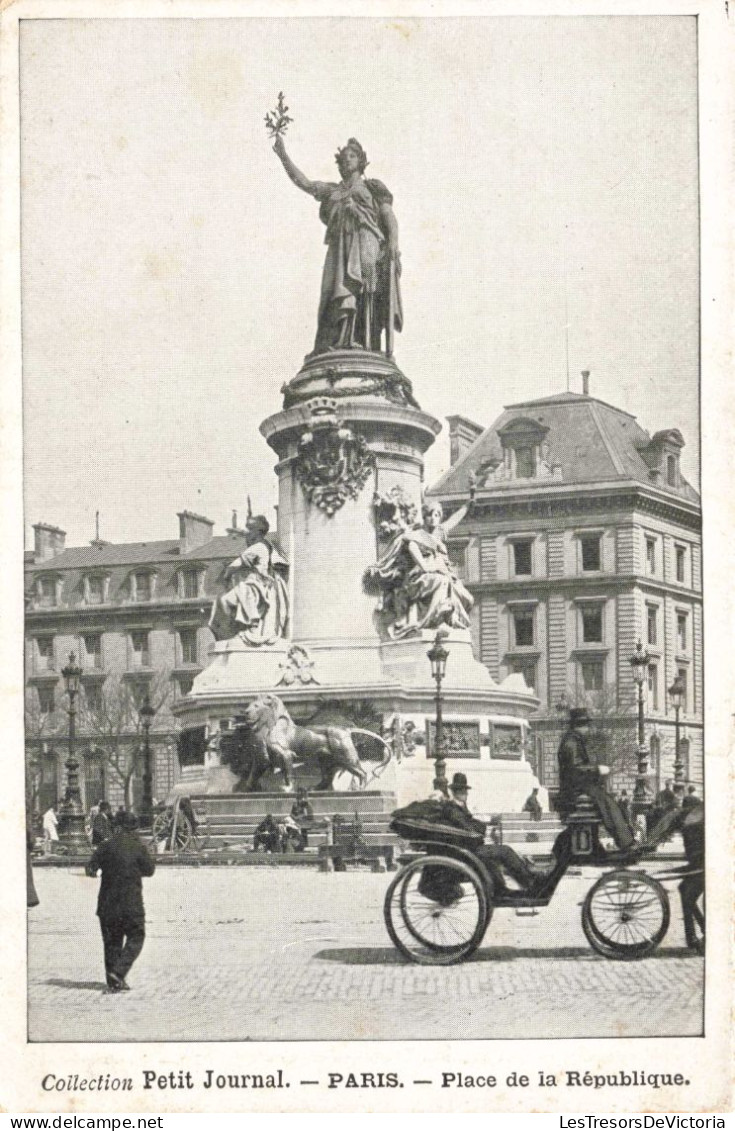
359, 274
422, 590
256, 607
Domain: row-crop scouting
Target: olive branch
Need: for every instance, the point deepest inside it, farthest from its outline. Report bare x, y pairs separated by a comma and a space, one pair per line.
277, 121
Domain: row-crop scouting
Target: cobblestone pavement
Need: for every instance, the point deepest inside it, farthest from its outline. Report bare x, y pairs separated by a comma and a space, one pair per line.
281, 954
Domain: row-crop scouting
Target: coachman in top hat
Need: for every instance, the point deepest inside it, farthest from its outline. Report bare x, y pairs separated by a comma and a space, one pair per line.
579, 773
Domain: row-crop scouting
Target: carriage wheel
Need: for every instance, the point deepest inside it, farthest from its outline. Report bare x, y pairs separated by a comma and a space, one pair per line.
436, 931
626, 915
161, 828
184, 834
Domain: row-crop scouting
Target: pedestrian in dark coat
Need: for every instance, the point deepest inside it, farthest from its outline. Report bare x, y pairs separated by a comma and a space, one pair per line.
579, 773
532, 805
102, 824
123, 861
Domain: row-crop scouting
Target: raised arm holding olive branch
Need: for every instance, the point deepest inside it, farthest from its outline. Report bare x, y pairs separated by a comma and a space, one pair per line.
360, 295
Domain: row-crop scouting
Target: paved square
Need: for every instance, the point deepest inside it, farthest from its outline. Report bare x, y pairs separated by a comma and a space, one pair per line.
286, 954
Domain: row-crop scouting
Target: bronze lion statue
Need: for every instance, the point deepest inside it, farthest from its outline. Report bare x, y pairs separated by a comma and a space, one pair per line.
278, 740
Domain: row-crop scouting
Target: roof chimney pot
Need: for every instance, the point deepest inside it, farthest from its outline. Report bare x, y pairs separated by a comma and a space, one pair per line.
586, 382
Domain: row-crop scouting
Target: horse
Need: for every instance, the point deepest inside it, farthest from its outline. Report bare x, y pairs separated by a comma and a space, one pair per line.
274, 731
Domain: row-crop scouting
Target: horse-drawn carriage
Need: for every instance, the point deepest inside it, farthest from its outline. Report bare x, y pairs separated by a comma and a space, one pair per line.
439, 906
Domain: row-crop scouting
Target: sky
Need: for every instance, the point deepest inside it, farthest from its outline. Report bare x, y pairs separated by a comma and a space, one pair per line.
544, 174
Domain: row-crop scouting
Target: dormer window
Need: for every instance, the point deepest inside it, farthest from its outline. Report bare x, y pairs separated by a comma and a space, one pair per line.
672, 471
525, 463
96, 587
661, 454
190, 583
142, 585
47, 592
524, 448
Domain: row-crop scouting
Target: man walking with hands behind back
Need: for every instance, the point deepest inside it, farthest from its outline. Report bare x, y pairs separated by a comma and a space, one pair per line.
123, 861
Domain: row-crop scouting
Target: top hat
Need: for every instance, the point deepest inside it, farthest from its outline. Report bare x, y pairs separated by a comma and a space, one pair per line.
578, 716
459, 782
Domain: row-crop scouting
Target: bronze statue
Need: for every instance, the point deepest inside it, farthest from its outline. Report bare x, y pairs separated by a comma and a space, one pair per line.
360, 295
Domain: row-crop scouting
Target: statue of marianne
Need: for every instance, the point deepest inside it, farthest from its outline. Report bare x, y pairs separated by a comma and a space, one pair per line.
360, 294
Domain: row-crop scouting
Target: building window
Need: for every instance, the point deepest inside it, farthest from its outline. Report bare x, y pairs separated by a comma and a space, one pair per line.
681, 632
188, 641
525, 463
526, 668
653, 687
652, 624
143, 586
672, 477
523, 628
681, 557
190, 583
593, 674
592, 624
45, 661
140, 654
92, 650
523, 557
93, 696
46, 698
47, 592
95, 590
591, 552
650, 555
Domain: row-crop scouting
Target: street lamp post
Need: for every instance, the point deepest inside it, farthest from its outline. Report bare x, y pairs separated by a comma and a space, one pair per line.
71, 825
676, 694
641, 795
146, 713
438, 656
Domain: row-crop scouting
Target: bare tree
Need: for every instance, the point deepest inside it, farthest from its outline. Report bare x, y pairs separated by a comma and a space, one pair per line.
110, 721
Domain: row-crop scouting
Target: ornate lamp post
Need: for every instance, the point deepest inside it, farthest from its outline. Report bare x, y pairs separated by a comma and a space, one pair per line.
146, 714
438, 656
676, 694
71, 825
641, 796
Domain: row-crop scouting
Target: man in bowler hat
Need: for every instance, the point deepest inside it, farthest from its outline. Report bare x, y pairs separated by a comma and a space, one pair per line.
123, 861
579, 773
498, 858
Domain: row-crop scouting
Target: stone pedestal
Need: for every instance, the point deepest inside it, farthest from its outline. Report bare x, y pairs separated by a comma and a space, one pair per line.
350, 429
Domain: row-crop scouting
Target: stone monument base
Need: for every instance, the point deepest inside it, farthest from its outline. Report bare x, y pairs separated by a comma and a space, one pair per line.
384, 687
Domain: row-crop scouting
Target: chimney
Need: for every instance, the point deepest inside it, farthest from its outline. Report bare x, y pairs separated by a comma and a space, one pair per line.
194, 530
462, 435
586, 382
48, 541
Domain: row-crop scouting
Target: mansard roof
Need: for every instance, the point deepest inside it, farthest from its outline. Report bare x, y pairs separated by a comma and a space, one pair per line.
587, 440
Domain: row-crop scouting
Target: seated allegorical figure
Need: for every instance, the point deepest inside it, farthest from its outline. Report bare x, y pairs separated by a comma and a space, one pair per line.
420, 590
256, 607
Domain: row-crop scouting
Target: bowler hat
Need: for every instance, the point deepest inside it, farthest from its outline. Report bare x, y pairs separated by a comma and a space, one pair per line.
459, 783
578, 716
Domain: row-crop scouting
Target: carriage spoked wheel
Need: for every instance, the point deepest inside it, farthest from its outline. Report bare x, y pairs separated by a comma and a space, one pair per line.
162, 829
626, 915
436, 911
